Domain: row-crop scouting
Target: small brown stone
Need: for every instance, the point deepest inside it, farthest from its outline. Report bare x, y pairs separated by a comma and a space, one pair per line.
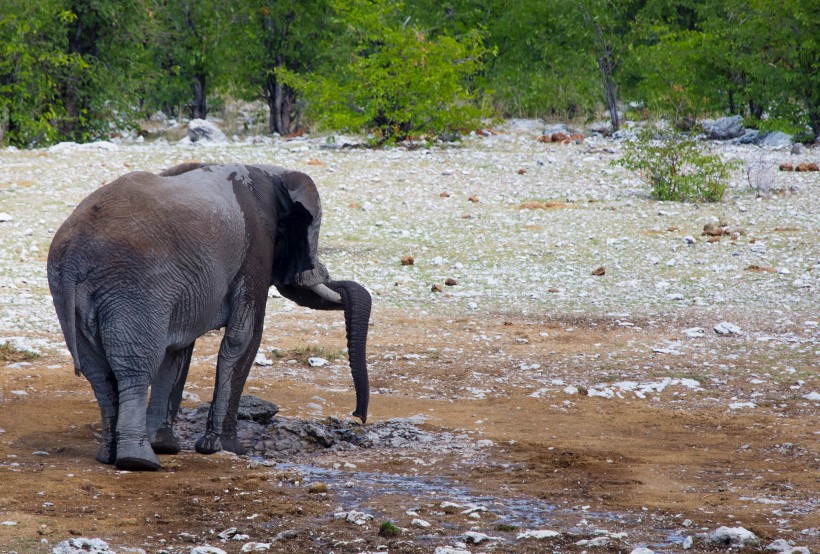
522, 171
474, 199
806, 167
713, 239
600, 271
553, 289
407, 260
445, 194
786, 167
436, 288
450, 282
545, 138
316, 488
559, 137
577, 138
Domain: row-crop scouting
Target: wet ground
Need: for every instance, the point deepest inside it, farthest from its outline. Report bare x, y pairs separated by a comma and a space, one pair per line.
460, 440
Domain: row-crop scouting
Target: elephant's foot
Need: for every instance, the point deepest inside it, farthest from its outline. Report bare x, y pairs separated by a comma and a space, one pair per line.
107, 452
165, 442
136, 456
210, 443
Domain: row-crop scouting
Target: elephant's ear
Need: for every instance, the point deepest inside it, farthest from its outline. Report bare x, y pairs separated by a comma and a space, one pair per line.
297, 230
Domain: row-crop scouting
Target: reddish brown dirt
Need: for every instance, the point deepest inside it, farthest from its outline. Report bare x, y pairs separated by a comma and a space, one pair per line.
662, 459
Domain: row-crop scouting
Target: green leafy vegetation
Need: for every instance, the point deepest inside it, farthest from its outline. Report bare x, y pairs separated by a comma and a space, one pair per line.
88, 69
388, 530
676, 167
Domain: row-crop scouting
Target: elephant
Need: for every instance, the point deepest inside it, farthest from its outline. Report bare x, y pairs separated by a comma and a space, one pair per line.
148, 263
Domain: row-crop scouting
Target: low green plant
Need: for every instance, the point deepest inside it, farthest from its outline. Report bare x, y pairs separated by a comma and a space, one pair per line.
677, 167
388, 529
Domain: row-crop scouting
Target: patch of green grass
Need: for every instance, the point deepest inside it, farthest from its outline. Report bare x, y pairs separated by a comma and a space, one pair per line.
10, 353
302, 353
506, 528
388, 530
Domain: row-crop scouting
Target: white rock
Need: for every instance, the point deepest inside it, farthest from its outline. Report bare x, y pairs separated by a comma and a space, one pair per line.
256, 547
597, 541
205, 132
262, 360
207, 550
420, 523
814, 395
732, 536
694, 332
359, 518
317, 362
5, 217
688, 542
642, 550
450, 550
739, 405
726, 328
9, 523
473, 537
227, 533
783, 546
539, 534
82, 546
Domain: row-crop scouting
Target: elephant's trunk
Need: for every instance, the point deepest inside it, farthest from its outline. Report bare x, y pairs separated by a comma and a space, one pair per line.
356, 302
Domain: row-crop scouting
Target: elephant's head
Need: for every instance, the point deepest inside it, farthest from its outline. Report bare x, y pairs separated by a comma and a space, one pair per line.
299, 275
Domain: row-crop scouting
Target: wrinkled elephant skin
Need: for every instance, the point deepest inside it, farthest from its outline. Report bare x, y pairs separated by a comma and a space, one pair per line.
148, 263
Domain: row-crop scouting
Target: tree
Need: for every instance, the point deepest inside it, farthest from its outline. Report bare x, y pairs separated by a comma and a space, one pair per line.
279, 35
393, 80
33, 62
190, 53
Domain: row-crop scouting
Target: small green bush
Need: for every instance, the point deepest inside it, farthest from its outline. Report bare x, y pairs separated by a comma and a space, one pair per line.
388, 530
677, 167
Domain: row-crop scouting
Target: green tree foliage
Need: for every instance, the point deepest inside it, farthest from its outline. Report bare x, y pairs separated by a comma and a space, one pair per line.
273, 35
33, 61
393, 80
190, 52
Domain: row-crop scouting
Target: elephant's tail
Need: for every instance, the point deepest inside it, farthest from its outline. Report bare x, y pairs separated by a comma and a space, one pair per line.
70, 331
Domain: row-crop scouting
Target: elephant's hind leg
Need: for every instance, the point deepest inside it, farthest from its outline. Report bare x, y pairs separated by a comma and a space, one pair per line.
166, 396
95, 368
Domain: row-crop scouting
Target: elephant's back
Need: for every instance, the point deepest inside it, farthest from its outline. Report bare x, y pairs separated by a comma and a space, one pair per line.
142, 220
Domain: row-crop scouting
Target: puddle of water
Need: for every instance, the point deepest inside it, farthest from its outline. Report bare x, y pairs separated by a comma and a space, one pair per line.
354, 489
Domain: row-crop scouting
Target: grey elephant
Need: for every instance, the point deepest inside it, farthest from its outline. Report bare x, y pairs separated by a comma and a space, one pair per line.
148, 263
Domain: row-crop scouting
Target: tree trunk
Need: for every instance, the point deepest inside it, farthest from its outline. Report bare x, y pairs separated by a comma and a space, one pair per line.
200, 108
281, 100
609, 91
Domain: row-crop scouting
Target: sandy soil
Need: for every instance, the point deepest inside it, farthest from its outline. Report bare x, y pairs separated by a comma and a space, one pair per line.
640, 466
546, 397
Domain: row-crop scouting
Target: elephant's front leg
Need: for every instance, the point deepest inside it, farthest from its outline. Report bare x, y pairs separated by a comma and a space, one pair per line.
166, 396
236, 354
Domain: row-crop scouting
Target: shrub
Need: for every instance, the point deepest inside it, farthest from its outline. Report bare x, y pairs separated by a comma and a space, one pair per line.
677, 167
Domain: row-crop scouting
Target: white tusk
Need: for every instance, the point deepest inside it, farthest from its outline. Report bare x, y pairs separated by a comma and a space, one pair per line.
323, 291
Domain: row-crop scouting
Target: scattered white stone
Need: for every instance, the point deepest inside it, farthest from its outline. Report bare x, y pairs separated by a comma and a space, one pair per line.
473, 537
207, 550
450, 550
688, 542
359, 518
726, 328
420, 523
539, 534
670, 351
732, 536
9, 523
190, 397
317, 362
262, 360
642, 550
741, 405
695, 332
83, 546
5, 217
227, 533
256, 547
784, 547
472, 306
604, 540
814, 395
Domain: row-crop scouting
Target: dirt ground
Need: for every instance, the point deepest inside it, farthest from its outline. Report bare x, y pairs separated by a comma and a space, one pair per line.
673, 464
